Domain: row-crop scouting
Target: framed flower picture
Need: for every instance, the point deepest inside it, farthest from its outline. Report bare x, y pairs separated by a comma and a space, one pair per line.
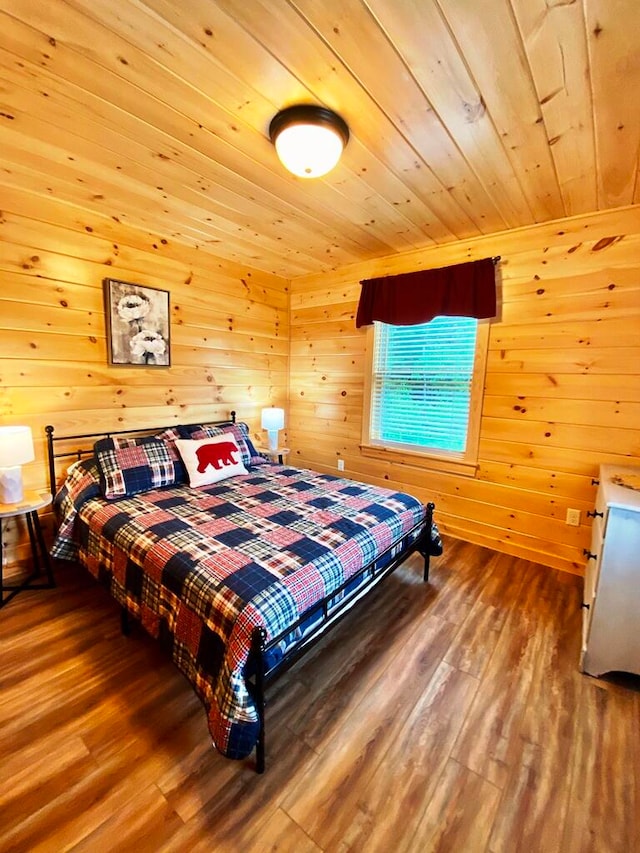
137, 324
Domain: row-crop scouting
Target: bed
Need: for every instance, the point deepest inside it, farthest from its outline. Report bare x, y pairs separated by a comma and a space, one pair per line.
238, 574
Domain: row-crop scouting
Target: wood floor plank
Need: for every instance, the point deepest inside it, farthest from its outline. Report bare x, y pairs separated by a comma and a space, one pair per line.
449, 716
278, 833
234, 795
463, 571
535, 796
408, 775
323, 801
144, 819
33, 777
605, 801
495, 596
460, 814
489, 740
62, 819
354, 658
477, 637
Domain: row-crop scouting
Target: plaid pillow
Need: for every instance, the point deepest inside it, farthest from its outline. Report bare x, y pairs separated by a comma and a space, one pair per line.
81, 483
240, 432
254, 456
128, 466
170, 434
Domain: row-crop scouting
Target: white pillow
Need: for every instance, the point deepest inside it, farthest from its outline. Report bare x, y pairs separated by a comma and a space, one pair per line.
209, 460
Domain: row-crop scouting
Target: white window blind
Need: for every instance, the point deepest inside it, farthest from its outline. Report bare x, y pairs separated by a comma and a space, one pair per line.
421, 383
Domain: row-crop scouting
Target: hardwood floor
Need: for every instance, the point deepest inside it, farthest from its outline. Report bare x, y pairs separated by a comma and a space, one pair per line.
449, 716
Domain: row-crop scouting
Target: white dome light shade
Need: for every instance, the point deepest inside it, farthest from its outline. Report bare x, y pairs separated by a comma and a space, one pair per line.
309, 140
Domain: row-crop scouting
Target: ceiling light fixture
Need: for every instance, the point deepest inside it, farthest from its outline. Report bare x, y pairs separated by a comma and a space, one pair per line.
309, 139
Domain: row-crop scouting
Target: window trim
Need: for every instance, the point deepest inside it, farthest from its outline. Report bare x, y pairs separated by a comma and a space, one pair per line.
465, 463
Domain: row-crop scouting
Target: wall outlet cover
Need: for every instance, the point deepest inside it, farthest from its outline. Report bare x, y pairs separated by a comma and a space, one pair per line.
573, 517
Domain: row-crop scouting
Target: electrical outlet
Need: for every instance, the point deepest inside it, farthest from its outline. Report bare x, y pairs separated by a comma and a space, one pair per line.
573, 517
340, 464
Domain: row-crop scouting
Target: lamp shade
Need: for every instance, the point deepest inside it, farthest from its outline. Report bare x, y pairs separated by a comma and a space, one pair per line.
272, 418
309, 139
16, 446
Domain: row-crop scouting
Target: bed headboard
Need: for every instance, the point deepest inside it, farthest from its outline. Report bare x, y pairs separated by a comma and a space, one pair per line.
61, 446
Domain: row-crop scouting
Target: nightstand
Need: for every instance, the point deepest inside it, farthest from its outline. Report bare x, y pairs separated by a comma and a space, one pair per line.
29, 506
274, 455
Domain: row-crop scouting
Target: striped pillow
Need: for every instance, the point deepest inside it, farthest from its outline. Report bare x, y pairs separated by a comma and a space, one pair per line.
170, 434
240, 432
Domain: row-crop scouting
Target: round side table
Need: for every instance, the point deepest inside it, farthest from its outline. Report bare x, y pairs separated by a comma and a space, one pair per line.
29, 506
274, 455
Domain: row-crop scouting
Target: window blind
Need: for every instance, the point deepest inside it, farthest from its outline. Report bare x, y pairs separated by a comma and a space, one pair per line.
421, 383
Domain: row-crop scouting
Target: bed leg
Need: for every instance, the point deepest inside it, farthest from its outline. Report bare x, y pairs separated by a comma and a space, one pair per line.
428, 537
125, 625
258, 639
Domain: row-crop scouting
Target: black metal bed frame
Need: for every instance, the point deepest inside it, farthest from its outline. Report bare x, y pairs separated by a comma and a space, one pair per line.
419, 540
80, 452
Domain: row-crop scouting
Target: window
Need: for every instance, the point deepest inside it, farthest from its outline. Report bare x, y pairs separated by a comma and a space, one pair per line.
425, 389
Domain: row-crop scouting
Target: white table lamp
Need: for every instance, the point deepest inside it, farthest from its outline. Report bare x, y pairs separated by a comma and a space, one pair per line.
272, 421
16, 449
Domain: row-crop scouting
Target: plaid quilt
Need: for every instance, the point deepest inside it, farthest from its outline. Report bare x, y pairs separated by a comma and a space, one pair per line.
201, 568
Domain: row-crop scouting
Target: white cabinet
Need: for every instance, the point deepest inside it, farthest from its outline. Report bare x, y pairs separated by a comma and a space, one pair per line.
611, 626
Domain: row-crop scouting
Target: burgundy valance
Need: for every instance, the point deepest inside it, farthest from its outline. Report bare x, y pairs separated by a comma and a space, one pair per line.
462, 290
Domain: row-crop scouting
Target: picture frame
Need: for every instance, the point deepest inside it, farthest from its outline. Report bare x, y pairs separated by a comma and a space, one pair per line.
137, 323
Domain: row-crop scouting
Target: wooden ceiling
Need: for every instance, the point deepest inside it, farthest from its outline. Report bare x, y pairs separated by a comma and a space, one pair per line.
467, 117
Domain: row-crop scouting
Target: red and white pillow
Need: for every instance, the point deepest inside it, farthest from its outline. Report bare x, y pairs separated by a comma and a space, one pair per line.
209, 460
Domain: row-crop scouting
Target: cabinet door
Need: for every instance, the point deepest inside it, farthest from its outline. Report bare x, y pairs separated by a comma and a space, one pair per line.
594, 560
613, 639
591, 572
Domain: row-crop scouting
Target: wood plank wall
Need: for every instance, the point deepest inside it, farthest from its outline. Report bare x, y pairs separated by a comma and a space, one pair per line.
229, 330
562, 389
562, 386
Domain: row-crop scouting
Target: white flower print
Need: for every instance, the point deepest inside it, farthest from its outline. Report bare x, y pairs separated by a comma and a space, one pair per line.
148, 344
132, 307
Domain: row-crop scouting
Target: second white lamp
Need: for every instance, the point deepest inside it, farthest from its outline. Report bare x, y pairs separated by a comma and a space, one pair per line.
272, 421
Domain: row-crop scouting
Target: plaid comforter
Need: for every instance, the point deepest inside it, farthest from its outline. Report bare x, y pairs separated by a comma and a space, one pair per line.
201, 568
